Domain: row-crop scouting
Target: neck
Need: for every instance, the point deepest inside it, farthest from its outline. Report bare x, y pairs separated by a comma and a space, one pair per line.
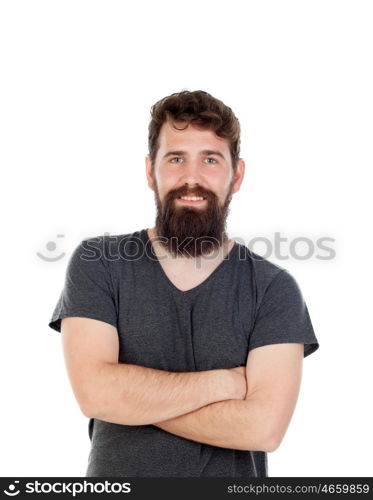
212, 257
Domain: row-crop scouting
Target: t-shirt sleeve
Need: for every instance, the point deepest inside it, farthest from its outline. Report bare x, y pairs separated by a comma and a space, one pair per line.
283, 316
87, 290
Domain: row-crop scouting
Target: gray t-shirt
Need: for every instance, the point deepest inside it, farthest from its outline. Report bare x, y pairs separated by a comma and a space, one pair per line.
245, 303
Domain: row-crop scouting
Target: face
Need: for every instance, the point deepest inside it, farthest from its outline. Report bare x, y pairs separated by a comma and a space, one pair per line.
194, 162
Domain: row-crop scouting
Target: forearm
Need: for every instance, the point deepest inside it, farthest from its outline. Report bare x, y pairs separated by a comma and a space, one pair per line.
129, 394
235, 424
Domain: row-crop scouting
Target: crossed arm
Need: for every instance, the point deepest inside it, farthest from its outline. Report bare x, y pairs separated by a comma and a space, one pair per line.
245, 408
205, 409
260, 420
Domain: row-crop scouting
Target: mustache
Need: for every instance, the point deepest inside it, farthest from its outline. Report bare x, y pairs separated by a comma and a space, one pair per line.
177, 193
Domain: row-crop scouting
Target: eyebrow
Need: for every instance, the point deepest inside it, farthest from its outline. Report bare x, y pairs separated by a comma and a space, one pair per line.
204, 152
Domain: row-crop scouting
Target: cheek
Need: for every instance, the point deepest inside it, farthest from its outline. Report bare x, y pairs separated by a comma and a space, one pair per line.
169, 178
219, 184
165, 175
165, 184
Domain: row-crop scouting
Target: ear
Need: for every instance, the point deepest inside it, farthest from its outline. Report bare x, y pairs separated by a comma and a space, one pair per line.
149, 173
239, 175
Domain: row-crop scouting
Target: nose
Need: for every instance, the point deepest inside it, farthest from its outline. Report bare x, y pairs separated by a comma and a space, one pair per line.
191, 173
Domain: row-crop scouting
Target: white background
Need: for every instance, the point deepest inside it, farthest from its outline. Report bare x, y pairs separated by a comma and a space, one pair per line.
78, 79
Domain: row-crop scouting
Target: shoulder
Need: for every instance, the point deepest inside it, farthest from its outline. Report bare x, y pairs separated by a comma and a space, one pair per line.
265, 279
261, 269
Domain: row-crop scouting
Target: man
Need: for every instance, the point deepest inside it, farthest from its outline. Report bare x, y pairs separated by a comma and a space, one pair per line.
183, 347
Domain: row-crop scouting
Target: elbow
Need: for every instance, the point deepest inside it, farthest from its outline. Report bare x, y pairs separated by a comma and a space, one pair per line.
92, 409
271, 434
85, 405
266, 445
267, 442
90, 406
272, 444
87, 409
268, 435
274, 438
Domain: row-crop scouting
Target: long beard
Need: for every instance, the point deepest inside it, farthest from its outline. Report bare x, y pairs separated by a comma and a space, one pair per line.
191, 231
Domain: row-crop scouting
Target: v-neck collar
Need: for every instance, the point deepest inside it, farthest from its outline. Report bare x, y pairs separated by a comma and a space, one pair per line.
166, 279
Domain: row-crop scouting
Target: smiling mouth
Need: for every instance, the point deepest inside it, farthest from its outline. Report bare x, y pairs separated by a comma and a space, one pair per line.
191, 200
191, 197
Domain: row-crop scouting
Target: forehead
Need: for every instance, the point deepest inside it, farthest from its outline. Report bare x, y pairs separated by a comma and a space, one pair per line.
191, 138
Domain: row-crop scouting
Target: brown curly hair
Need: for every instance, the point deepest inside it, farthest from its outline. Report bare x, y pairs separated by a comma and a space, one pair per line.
195, 107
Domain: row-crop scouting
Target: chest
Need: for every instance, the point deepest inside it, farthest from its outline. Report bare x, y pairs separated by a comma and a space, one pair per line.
187, 274
202, 329
186, 277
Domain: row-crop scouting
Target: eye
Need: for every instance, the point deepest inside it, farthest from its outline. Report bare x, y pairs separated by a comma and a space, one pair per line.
175, 158
213, 159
